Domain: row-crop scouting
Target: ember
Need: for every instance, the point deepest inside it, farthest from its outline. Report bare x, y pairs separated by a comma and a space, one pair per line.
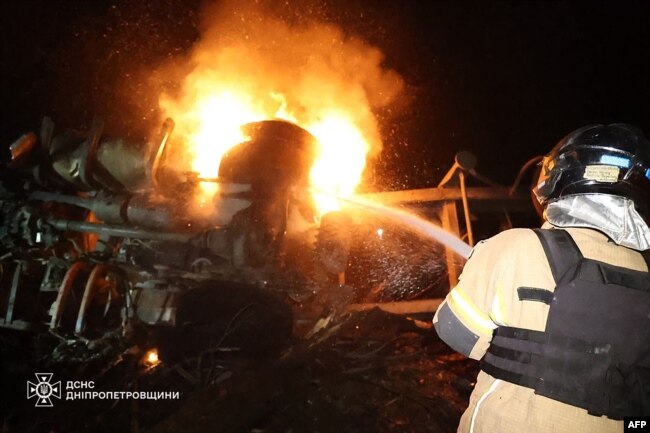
151, 358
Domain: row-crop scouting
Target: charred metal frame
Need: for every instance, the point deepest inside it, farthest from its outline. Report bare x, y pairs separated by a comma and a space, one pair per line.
89, 222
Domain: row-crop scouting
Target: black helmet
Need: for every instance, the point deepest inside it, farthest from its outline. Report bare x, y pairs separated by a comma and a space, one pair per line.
598, 159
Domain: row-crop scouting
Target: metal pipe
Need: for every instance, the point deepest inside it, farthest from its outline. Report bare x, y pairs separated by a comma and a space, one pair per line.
64, 290
15, 282
450, 175
468, 220
117, 231
524, 168
484, 179
86, 203
89, 292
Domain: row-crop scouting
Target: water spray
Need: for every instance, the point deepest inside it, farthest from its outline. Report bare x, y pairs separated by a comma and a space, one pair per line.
417, 223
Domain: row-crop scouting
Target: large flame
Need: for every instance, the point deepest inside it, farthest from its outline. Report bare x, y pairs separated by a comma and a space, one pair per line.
340, 160
216, 119
246, 70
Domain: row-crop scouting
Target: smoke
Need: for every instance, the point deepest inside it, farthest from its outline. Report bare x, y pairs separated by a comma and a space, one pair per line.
298, 68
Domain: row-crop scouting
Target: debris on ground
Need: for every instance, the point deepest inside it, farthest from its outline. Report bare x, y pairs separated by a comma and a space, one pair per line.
372, 371
368, 371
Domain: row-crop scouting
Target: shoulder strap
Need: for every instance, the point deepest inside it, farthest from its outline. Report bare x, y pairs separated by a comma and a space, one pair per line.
561, 251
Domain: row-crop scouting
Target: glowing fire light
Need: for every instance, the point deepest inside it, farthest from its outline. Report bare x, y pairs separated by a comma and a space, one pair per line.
220, 117
151, 358
250, 66
213, 124
340, 161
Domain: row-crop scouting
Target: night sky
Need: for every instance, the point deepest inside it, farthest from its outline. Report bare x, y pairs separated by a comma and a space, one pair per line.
505, 80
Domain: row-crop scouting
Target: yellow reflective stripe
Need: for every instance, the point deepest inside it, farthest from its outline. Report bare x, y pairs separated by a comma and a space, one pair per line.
468, 311
496, 314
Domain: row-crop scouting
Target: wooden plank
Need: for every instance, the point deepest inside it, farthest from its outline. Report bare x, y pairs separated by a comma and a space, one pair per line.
401, 307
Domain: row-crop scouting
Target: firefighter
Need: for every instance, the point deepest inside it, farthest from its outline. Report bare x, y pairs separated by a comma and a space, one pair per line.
560, 316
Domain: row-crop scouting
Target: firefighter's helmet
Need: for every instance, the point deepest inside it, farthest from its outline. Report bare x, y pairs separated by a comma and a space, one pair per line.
598, 159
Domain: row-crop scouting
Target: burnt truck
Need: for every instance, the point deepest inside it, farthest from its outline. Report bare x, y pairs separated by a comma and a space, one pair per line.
102, 242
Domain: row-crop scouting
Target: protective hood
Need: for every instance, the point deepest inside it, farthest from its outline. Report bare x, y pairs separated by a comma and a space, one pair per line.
613, 215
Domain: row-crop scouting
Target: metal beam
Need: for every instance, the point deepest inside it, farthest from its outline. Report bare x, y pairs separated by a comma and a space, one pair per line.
119, 231
424, 195
449, 221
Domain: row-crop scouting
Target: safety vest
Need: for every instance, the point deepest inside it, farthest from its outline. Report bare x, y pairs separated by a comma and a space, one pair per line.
595, 350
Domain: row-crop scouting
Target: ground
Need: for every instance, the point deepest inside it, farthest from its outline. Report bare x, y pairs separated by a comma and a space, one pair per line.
364, 372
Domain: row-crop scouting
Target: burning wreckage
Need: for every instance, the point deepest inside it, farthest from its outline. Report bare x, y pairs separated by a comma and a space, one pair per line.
113, 259
104, 248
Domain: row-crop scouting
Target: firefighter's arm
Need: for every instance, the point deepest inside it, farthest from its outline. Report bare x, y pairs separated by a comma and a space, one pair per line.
466, 318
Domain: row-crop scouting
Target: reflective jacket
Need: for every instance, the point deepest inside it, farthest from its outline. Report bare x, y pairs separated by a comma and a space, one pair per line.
508, 284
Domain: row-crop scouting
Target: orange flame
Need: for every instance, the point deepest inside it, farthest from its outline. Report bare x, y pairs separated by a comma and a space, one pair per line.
340, 160
212, 127
249, 70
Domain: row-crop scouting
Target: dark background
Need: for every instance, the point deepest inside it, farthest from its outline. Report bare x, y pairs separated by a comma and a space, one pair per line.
505, 80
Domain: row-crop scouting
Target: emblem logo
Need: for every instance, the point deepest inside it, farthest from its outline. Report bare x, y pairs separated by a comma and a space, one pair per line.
43, 389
